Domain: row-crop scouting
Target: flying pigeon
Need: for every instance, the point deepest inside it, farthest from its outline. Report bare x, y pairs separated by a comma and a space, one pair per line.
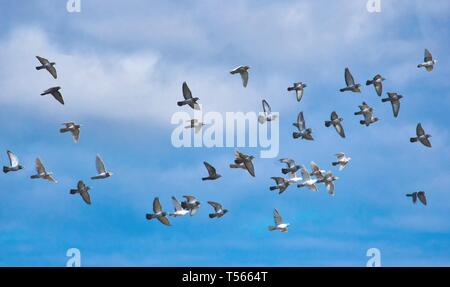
191, 204
13, 163
281, 184
268, 116
46, 64
428, 61
342, 160
303, 132
244, 161
54, 91
158, 213
188, 99
279, 225
394, 98
195, 124
367, 112
243, 71
298, 88
219, 211
421, 136
179, 210
420, 195
350, 82
307, 180
42, 173
73, 128
377, 82
101, 170
291, 166
328, 181
212, 174
336, 122
316, 171
83, 190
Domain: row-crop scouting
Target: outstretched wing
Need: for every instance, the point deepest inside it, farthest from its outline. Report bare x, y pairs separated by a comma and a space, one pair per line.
340, 155
395, 107
422, 197
186, 92
39, 167
244, 76
13, 160
349, 78
305, 173
215, 205
156, 205
334, 116
419, 130
176, 204
58, 96
340, 129
427, 57
42, 60
189, 198
99, 165
301, 125
289, 162
210, 168
277, 217
249, 166
85, 196
81, 186
266, 107
164, 220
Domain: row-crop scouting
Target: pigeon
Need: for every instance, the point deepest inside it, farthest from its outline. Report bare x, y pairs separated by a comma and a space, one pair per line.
244, 161
420, 195
158, 213
83, 190
428, 61
307, 180
13, 163
191, 204
394, 98
281, 184
188, 99
101, 170
243, 71
367, 112
179, 210
303, 132
291, 166
219, 211
328, 181
54, 91
212, 174
268, 116
377, 82
42, 173
294, 178
342, 160
73, 128
336, 122
350, 82
316, 171
195, 124
298, 88
421, 136
46, 64
279, 225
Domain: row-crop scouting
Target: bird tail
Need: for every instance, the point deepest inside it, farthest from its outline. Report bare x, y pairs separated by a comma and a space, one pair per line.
63, 130
34, 176
296, 135
40, 67
181, 103
413, 140
385, 100
335, 163
290, 89
212, 215
6, 169
300, 185
149, 216
272, 228
234, 166
327, 123
419, 66
73, 191
362, 122
358, 113
285, 170
205, 178
409, 195
272, 188
343, 90
369, 82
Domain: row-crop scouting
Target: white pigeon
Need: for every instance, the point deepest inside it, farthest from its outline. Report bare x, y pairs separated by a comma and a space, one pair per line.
101, 170
179, 210
342, 160
307, 180
13, 163
243, 71
279, 225
268, 116
294, 178
428, 61
42, 173
195, 124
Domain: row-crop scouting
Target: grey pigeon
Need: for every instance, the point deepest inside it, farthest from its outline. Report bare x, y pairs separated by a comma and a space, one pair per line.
316, 171
190, 203
350, 82
101, 170
13, 163
428, 61
244, 161
298, 87
83, 190
54, 91
219, 211
303, 132
46, 64
367, 112
73, 128
336, 122
420, 195
328, 180
394, 98
243, 71
279, 225
281, 184
377, 82
212, 174
342, 160
158, 213
42, 173
188, 99
268, 116
195, 124
421, 136
179, 210
291, 166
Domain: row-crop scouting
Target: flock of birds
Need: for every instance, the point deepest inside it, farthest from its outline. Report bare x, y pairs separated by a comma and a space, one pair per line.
190, 204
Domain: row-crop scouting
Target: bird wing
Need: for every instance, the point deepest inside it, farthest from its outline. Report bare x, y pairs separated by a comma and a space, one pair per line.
58, 96
189, 198
419, 130
301, 122
277, 217
340, 155
330, 187
395, 107
49, 177
99, 165
176, 204
52, 70
76, 134
289, 162
425, 141
156, 205
244, 76
186, 92
215, 205
266, 107
249, 166
42, 60
334, 116
305, 173
422, 197
164, 220
278, 180
349, 78
85, 196
414, 197
13, 160
210, 168
299, 94
81, 186
40, 167
427, 56
378, 88
340, 129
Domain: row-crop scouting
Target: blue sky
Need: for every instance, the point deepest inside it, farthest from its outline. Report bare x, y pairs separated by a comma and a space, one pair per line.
121, 65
